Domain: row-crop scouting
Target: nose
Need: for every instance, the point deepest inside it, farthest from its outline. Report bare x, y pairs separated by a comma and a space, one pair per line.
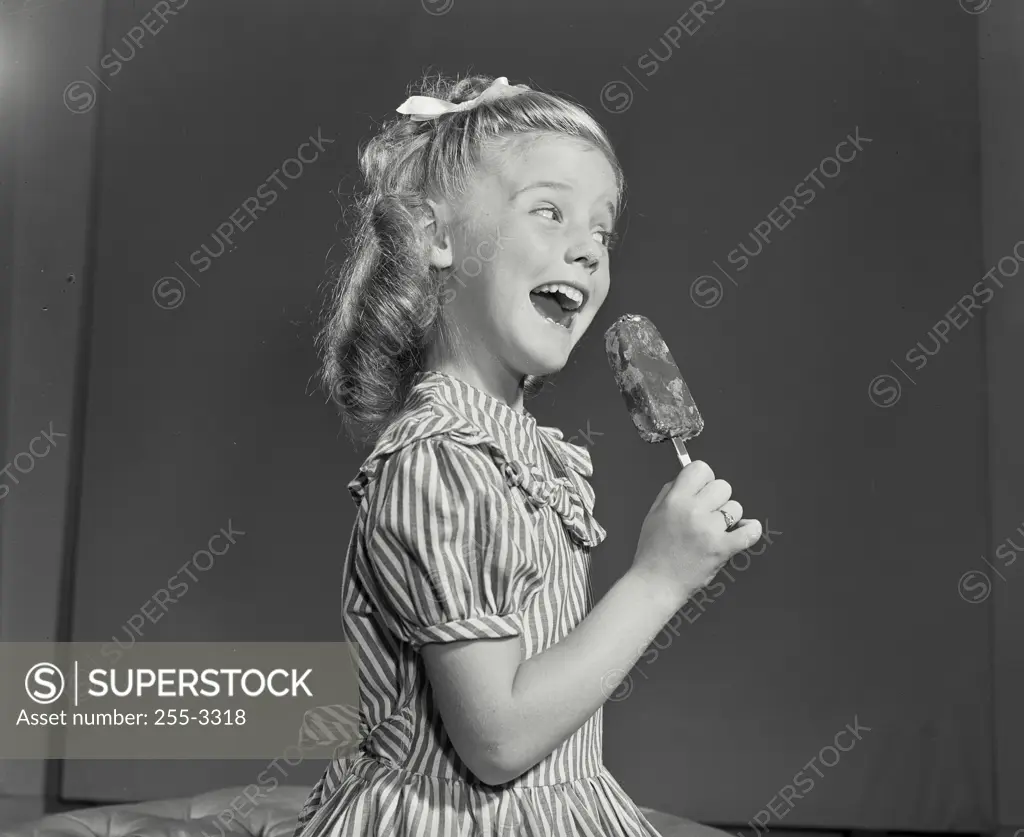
584, 253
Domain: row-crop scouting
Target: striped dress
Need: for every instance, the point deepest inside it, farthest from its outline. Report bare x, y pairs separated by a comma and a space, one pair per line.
473, 522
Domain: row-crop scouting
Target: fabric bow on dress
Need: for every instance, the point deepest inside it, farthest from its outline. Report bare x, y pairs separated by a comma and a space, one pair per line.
561, 495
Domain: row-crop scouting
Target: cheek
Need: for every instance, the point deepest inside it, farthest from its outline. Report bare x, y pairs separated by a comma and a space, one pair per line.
520, 263
601, 287
540, 255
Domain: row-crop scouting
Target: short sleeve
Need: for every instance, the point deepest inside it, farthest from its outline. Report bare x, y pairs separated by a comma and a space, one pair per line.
450, 558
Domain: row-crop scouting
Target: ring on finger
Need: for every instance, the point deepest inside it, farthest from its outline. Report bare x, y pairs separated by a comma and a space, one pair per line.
729, 519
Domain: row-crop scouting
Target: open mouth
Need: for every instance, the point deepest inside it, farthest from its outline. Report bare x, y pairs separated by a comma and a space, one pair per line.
558, 303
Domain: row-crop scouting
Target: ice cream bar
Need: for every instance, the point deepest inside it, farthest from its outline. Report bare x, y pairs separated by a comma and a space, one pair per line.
656, 395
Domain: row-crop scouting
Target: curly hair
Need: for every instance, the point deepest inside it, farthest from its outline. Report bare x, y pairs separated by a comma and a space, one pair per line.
385, 307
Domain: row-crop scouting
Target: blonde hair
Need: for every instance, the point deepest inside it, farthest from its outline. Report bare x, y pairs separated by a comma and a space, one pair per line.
384, 309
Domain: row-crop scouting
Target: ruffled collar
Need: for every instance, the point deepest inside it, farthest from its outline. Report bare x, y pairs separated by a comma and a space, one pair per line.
535, 459
514, 431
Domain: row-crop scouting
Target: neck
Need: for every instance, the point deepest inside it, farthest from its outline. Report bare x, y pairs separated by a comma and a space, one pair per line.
494, 378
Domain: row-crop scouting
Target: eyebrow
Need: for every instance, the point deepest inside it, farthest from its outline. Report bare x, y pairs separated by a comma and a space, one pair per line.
561, 187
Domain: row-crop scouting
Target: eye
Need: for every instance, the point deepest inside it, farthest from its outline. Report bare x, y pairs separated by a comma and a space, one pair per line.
607, 238
556, 214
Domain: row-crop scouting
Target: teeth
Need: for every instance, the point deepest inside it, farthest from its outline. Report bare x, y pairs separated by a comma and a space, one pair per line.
566, 325
571, 292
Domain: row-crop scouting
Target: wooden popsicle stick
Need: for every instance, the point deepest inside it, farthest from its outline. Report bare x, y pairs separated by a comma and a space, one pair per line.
684, 457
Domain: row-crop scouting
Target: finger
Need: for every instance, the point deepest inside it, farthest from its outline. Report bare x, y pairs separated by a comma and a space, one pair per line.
733, 509
661, 494
694, 477
744, 536
713, 495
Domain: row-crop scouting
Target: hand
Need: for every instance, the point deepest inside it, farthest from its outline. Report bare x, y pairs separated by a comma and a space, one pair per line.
683, 541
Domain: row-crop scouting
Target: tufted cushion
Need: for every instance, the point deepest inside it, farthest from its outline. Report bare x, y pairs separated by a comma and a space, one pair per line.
196, 816
193, 816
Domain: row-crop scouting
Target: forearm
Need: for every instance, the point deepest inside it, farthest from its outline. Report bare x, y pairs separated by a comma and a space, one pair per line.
555, 692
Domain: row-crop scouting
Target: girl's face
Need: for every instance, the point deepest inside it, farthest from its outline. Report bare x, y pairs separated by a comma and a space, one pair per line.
537, 216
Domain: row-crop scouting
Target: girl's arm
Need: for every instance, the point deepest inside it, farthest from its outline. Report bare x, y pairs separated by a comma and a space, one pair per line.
504, 714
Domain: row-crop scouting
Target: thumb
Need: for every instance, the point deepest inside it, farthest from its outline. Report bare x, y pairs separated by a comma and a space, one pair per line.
745, 535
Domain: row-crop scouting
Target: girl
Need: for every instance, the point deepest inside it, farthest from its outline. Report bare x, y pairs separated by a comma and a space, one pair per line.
480, 261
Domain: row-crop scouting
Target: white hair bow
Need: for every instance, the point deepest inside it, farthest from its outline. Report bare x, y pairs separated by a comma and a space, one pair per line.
421, 108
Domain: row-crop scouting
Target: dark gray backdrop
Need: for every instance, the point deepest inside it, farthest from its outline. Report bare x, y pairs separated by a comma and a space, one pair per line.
207, 412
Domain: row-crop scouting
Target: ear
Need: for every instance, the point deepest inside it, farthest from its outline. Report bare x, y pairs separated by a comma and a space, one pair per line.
435, 221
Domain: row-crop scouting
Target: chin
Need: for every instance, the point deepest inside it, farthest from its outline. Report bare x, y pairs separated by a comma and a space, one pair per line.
545, 360
542, 348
